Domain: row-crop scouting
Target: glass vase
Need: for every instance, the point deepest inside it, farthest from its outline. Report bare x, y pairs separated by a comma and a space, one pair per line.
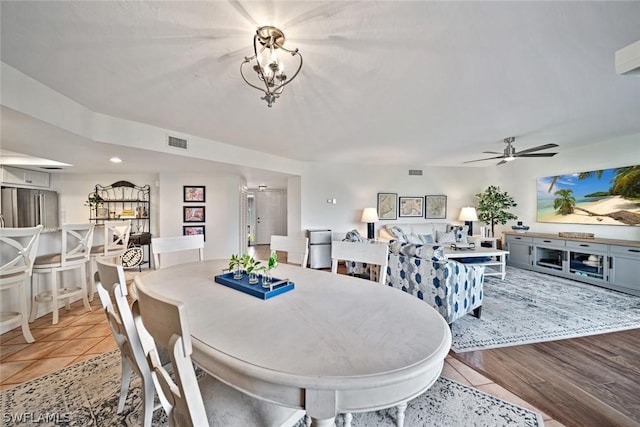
253, 278
237, 272
266, 279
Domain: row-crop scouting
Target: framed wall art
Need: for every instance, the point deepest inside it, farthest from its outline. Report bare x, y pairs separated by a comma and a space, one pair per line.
194, 193
436, 207
412, 207
597, 197
388, 205
192, 230
193, 213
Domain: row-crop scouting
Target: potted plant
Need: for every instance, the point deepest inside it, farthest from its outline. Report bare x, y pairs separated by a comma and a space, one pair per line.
94, 202
493, 207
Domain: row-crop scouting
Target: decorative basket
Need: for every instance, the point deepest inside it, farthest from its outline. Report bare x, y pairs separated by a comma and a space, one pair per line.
577, 235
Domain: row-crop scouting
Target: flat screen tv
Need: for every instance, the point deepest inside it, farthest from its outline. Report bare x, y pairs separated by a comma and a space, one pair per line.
607, 197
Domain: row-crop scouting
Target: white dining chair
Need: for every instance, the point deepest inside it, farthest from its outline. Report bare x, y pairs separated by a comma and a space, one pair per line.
74, 255
111, 287
163, 245
18, 247
193, 402
297, 248
116, 242
365, 252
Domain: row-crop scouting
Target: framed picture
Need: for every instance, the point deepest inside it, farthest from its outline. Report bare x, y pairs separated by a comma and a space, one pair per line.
412, 207
388, 205
436, 207
193, 213
191, 230
194, 193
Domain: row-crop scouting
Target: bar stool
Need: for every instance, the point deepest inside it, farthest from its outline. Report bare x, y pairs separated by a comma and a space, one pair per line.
76, 249
19, 248
116, 241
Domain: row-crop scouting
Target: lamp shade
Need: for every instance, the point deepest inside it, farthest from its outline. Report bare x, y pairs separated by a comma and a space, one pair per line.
370, 215
468, 214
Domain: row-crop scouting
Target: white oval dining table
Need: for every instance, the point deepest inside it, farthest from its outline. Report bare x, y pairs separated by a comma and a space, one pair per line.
334, 344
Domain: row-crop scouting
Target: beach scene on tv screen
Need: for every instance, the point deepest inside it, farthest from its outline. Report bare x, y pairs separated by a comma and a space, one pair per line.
607, 197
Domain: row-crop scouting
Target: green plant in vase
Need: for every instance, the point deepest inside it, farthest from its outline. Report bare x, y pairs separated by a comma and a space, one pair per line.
235, 265
272, 263
251, 266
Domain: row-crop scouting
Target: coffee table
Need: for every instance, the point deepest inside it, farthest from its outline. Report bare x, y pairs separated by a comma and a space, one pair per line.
494, 267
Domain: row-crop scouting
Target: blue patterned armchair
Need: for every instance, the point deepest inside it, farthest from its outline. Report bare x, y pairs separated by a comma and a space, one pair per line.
452, 288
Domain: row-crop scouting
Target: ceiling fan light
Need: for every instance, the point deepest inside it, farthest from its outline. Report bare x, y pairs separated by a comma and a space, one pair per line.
509, 158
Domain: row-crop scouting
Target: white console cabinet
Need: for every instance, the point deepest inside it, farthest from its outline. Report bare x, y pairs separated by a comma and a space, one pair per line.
614, 264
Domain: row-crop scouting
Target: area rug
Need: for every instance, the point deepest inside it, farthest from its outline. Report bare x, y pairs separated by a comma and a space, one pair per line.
86, 394
529, 307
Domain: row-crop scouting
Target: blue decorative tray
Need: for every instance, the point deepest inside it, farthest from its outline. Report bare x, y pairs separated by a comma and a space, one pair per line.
279, 286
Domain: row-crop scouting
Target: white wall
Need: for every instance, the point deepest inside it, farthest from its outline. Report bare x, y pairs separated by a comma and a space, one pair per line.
355, 187
293, 191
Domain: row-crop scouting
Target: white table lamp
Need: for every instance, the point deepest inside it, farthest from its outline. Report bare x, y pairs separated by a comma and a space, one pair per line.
370, 216
468, 215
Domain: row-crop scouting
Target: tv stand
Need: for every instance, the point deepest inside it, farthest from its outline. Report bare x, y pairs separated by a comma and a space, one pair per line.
613, 264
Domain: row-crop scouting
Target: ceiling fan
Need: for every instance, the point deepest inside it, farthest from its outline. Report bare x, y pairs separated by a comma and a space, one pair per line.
510, 152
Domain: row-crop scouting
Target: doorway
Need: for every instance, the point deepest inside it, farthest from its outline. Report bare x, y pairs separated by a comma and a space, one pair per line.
266, 215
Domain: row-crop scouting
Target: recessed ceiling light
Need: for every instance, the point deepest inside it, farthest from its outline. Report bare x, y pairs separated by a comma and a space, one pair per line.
115, 160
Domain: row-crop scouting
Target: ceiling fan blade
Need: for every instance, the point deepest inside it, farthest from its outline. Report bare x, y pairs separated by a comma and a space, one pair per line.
491, 152
481, 160
501, 162
538, 148
535, 155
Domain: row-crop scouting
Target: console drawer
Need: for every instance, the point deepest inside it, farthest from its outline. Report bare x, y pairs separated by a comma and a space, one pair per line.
521, 239
548, 242
586, 246
626, 251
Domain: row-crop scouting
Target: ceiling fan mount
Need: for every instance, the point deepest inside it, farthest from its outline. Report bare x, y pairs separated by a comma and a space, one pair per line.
509, 153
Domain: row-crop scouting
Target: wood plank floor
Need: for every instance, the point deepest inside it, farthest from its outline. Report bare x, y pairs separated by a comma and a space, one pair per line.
582, 382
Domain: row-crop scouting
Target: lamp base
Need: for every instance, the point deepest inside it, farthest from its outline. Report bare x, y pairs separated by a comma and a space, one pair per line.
370, 231
470, 224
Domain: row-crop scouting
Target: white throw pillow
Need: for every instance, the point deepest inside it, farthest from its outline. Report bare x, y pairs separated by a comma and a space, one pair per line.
397, 233
449, 237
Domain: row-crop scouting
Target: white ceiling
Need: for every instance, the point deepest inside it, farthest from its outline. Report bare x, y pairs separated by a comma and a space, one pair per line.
395, 82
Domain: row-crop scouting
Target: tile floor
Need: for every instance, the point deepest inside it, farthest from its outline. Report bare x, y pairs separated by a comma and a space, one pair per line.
81, 335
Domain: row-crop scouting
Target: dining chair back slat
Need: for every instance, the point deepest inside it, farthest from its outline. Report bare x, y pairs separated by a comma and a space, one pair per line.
116, 242
18, 249
111, 287
365, 252
297, 249
76, 240
164, 245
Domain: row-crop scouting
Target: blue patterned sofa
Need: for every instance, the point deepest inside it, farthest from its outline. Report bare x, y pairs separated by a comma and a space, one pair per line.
452, 288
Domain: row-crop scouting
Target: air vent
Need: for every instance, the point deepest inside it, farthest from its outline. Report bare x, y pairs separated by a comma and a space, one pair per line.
417, 172
177, 142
